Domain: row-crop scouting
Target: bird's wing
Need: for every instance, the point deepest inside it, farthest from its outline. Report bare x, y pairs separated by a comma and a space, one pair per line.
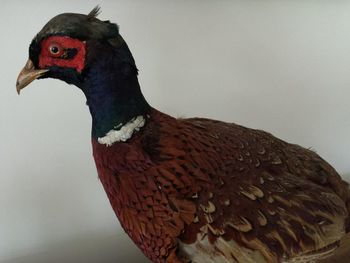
240, 195
267, 200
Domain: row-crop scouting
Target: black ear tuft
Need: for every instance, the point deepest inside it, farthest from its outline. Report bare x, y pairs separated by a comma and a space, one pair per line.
94, 13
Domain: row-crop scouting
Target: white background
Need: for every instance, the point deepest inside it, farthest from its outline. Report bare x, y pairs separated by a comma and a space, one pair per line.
282, 66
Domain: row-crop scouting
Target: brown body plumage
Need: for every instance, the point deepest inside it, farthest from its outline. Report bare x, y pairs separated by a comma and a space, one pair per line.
187, 188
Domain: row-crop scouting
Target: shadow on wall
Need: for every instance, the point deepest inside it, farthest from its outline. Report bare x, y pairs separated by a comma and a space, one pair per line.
346, 177
88, 249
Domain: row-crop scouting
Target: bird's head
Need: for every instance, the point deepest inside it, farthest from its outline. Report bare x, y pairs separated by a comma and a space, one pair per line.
89, 53
68, 46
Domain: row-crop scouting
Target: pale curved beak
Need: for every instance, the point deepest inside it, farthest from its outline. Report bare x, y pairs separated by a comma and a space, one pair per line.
27, 75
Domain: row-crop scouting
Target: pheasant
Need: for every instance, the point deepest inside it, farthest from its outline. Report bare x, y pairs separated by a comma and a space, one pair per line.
190, 190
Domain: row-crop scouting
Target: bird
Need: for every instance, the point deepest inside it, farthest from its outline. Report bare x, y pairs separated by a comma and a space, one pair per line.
190, 189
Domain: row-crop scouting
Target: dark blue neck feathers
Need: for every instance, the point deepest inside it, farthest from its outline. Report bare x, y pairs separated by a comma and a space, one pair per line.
111, 87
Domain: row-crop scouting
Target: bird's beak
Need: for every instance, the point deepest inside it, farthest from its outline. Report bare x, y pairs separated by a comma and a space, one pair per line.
27, 75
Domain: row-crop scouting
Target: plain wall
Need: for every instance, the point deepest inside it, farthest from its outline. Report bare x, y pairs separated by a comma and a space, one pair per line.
282, 66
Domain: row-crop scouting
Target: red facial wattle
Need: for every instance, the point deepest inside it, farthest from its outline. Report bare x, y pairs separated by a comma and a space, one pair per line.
54, 52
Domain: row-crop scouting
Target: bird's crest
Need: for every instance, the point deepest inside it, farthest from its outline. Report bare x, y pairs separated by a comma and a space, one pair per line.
94, 13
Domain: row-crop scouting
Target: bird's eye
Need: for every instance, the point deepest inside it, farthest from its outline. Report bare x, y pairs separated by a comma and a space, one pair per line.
55, 50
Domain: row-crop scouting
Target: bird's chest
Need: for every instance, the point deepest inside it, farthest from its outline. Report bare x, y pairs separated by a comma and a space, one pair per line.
135, 196
122, 170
